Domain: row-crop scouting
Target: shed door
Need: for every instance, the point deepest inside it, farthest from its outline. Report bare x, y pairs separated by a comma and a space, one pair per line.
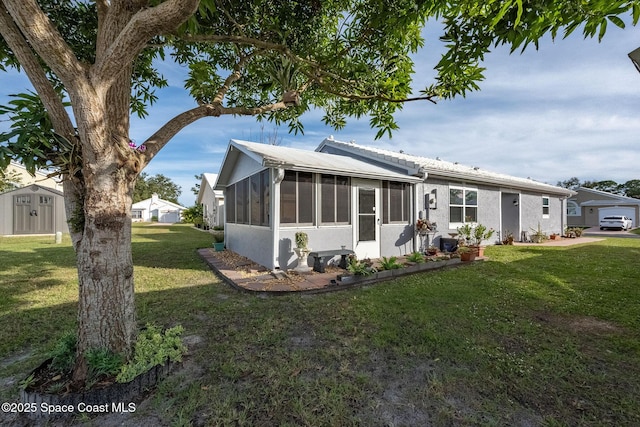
33, 214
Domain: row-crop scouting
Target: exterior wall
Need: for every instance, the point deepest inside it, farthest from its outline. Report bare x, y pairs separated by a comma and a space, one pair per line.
27, 179
531, 211
244, 167
254, 242
320, 238
213, 208
495, 210
396, 239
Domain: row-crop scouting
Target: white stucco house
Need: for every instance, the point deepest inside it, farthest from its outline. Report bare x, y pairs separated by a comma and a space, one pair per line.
211, 200
158, 209
367, 200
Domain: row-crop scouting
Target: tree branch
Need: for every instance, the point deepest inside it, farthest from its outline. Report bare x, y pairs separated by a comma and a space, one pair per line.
29, 62
231, 79
143, 26
45, 39
159, 139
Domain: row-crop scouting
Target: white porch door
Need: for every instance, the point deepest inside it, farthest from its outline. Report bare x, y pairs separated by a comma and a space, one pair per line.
367, 218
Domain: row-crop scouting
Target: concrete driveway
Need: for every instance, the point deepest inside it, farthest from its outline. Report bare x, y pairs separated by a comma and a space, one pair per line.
596, 232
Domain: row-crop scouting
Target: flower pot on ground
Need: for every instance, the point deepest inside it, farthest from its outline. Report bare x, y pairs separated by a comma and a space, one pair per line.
466, 253
218, 241
303, 256
302, 251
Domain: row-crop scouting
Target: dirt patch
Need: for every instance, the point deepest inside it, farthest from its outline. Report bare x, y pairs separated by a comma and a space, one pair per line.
580, 324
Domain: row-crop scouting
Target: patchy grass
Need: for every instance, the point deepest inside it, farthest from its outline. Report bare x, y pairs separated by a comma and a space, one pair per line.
534, 336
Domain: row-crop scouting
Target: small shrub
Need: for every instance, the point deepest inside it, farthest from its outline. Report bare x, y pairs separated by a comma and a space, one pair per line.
102, 362
390, 263
153, 348
63, 355
302, 239
360, 268
416, 257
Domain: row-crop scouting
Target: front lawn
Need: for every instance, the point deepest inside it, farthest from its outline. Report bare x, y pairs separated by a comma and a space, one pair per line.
534, 336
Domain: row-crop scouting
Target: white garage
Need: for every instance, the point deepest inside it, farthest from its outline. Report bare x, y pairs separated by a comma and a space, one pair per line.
618, 210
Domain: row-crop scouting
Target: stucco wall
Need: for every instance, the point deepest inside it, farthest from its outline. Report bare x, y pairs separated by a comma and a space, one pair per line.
320, 238
396, 239
531, 214
251, 241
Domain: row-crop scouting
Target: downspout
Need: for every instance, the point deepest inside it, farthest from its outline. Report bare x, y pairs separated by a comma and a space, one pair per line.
278, 176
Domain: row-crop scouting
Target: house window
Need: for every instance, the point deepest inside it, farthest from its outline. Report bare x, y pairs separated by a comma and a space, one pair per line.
545, 207
573, 208
396, 198
335, 200
296, 198
136, 214
463, 205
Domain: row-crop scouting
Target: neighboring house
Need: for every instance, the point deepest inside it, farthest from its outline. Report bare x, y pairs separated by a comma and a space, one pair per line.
156, 209
271, 192
25, 178
589, 206
451, 194
212, 201
33, 209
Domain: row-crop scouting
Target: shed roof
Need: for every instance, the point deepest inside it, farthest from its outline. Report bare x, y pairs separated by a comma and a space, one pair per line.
303, 160
419, 165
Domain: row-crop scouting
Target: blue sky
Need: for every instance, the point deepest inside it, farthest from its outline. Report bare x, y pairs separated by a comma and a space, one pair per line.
571, 108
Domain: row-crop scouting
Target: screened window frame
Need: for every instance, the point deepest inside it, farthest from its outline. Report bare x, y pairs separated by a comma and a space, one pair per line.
388, 215
336, 202
299, 190
240, 198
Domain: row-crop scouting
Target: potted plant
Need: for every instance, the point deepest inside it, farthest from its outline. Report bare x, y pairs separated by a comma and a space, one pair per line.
538, 236
218, 241
302, 251
466, 253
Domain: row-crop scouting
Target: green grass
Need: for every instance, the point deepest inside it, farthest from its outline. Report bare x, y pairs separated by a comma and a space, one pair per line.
537, 335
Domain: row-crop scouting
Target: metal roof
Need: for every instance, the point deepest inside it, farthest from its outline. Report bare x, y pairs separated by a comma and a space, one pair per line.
436, 168
274, 156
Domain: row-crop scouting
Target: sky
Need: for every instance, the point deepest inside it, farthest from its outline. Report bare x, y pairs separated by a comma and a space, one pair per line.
570, 108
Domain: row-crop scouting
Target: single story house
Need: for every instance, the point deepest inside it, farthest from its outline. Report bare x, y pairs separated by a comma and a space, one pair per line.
156, 209
367, 200
588, 206
212, 201
33, 209
271, 192
451, 194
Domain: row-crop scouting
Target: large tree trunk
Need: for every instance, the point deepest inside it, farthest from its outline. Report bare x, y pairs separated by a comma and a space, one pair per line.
106, 312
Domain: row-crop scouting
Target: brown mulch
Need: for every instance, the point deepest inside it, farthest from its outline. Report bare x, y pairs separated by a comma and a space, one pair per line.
260, 274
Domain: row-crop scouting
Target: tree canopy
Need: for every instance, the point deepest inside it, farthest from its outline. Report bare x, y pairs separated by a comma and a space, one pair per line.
159, 184
630, 188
